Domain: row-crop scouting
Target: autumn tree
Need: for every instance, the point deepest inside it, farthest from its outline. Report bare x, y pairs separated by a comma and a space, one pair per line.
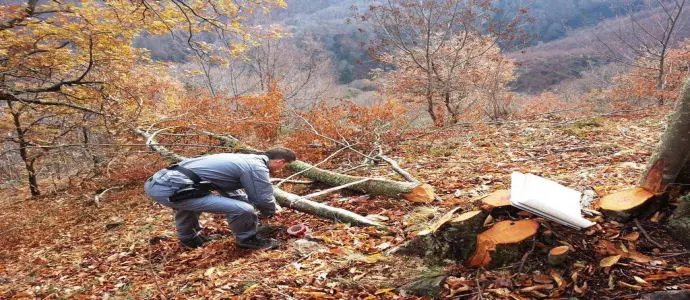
469, 76
69, 72
639, 83
434, 40
644, 42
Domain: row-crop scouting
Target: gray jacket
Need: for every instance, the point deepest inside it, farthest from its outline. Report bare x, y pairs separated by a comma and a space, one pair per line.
230, 172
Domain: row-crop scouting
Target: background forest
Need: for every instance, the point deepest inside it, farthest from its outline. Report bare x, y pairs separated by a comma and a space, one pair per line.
458, 92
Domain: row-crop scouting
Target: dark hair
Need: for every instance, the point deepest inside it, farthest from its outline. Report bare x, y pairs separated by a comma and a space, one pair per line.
281, 153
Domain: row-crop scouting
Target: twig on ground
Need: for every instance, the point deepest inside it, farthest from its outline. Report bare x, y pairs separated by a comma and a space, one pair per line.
527, 254
97, 198
646, 235
479, 286
622, 131
674, 254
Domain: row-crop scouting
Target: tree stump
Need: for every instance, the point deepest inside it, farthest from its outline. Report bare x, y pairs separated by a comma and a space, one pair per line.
497, 202
557, 256
503, 243
451, 237
679, 223
623, 205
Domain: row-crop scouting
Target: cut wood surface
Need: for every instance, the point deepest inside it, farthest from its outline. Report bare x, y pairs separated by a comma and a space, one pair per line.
497, 199
625, 204
412, 191
557, 256
503, 243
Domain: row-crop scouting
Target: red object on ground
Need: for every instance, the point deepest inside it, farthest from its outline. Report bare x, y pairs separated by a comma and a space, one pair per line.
297, 230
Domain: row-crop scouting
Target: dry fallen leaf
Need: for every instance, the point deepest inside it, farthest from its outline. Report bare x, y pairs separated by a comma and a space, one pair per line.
557, 278
633, 236
638, 257
609, 261
640, 280
537, 287
382, 291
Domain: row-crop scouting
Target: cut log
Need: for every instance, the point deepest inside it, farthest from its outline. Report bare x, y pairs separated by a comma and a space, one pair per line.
412, 191
282, 197
557, 256
672, 154
679, 223
453, 236
503, 243
623, 205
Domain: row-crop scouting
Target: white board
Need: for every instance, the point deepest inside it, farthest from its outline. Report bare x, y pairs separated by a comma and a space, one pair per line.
547, 199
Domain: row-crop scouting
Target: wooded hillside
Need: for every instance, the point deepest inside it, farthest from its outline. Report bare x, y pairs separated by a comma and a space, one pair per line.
402, 187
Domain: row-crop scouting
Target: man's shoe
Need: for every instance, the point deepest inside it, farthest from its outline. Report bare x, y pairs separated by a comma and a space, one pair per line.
257, 242
195, 242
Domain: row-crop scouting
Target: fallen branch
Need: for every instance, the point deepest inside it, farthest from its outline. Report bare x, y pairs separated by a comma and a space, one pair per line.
396, 167
291, 181
97, 198
284, 198
333, 189
646, 235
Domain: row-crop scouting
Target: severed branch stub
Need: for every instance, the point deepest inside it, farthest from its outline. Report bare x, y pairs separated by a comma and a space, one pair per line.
558, 255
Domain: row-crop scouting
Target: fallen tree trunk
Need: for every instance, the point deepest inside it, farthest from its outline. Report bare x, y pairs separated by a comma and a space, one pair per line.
412, 191
284, 198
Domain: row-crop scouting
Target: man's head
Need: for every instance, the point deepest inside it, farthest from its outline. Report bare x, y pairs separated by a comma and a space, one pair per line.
278, 158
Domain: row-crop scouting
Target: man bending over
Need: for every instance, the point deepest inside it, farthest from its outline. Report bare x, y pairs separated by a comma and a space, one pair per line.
186, 188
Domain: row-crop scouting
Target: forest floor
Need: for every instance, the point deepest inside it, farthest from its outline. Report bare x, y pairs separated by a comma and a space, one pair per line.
63, 245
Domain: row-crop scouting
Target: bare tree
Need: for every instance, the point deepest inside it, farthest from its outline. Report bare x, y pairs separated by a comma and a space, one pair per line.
420, 30
643, 40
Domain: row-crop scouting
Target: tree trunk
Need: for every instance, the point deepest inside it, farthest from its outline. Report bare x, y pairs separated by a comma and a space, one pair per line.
24, 153
672, 154
412, 191
284, 198
679, 223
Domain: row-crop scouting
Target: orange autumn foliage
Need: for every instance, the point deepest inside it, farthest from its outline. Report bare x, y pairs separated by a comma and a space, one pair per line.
639, 85
348, 123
